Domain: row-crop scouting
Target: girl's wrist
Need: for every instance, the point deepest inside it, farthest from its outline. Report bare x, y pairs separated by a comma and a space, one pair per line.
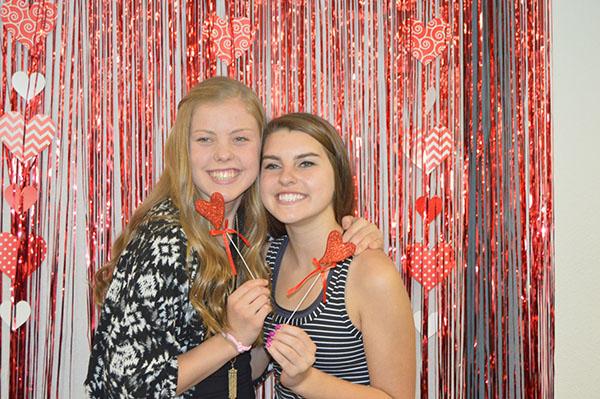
237, 344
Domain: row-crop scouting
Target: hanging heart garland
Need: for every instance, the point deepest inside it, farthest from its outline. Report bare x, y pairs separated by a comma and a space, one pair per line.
29, 24
20, 199
229, 41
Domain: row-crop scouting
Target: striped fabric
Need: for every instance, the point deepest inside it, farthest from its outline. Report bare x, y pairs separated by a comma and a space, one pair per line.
340, 349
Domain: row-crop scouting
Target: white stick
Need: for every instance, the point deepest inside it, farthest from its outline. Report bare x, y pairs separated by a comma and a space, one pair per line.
303, 298
240, 254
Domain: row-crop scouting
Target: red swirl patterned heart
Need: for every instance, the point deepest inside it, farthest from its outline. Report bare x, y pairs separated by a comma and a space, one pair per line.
427, 42
336, 249
213, 210
228, 42
429, 267
29, 23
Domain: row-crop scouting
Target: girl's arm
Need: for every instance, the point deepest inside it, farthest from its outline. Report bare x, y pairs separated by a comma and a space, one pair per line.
376, 292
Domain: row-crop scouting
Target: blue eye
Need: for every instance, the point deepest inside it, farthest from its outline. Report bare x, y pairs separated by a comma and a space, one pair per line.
203, 139
306, 164
270, 166
241, 139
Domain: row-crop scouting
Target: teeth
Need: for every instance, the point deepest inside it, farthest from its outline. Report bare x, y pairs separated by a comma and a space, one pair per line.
290, 197
223, 174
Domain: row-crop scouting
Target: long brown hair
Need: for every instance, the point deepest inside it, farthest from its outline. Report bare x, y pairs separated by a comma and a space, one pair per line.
322, 131
209, 288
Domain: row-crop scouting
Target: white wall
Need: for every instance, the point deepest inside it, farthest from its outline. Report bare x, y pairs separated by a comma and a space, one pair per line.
576, 116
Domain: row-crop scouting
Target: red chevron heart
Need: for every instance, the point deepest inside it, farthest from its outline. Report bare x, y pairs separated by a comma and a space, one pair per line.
228, 43
20, 200
29, 23
428, 208
38, 134
9, 245
438, 145
214, 210
429, 267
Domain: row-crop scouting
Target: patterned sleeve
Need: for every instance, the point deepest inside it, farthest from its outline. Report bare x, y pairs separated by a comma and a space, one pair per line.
147, 297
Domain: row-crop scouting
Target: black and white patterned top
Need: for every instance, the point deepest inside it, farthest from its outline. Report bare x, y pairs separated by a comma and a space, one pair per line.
340, 348
147, 320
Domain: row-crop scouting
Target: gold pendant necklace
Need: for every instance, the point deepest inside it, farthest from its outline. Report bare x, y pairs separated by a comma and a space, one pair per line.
232, 380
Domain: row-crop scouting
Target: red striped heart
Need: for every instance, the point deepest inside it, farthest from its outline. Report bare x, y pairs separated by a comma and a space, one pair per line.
38, 134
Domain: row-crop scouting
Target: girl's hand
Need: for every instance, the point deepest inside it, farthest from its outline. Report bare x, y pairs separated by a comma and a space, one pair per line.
362, 233
247, 308
295, 352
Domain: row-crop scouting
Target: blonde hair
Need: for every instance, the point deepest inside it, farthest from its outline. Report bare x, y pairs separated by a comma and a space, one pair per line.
210, 286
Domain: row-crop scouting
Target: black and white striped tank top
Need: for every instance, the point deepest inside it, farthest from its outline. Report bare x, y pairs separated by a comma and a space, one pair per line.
340, 348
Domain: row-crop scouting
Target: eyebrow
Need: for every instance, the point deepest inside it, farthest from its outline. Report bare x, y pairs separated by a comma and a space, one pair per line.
243, 129
300, 156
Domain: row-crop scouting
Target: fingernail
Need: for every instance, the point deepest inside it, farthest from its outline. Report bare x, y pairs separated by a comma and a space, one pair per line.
277, 327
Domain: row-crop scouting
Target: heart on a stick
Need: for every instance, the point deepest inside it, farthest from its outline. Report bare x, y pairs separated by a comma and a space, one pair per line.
213, 210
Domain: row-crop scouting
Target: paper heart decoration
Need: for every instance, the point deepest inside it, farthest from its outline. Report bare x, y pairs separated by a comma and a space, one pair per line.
28, 86
20, 200
228, 42
22, 313
428, 208
414, 149
429, 266
430, 99
9, 245
432, 323
36, 249
428, 41
213, 210
438, 145
337, 250
38, 134
28, 23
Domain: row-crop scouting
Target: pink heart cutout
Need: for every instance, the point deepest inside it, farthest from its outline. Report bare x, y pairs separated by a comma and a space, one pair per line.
228, 42
429, 266
38, 134
427, 42
20, 200
28, 23
9, 245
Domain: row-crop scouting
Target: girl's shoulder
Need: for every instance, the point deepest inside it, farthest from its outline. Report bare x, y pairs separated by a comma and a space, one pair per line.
372, 270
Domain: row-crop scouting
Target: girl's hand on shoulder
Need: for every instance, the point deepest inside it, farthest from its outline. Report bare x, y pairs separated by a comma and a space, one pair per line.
362, 233
295, 352
247, 308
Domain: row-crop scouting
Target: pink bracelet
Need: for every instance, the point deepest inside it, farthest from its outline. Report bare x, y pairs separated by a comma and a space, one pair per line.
241, 348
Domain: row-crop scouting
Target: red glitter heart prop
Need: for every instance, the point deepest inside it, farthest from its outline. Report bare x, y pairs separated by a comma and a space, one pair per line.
429, 267
428, 208
336, 249
213, 210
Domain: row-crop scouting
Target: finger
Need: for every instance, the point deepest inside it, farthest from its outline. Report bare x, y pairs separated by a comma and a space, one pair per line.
252, 295
278, 357
356, 226
347, 221
248, 286
376, 244
259, 302
262, 313
289, 355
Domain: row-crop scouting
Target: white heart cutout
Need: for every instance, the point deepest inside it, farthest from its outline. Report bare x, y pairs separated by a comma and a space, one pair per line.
28, 86
430, 99
23, 311
432, 323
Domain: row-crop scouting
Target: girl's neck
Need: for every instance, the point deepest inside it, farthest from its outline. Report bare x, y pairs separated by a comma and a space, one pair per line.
231, 209
309, 240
